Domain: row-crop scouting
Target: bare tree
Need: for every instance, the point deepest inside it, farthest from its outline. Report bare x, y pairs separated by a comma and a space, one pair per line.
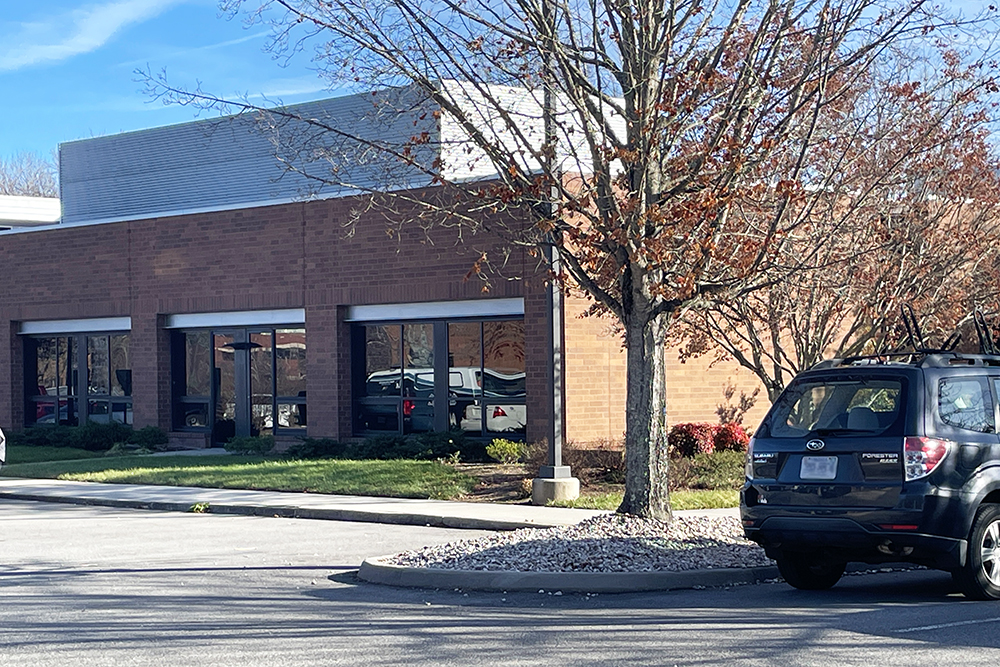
937, 235
677, 153
28, 175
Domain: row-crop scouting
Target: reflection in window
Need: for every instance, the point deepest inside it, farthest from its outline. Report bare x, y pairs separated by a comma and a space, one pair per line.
55, 378
121, 366
53, 373
261, 384
967, 404
485, 379
269, 367
503, 376
98, 366
290, 374
397, 397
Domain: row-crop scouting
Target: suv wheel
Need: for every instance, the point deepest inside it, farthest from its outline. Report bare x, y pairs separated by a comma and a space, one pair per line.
809, 573
980, 578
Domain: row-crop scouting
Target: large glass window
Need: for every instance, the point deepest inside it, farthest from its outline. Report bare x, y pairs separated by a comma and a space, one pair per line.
109, 379
397, 392
398, 376
240, 381
55, 382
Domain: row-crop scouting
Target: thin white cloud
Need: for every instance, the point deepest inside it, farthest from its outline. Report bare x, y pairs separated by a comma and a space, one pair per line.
76, 32
193, 50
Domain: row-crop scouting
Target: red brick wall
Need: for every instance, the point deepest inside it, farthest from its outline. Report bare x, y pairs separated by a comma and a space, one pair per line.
595, 381
299, 256
287, 256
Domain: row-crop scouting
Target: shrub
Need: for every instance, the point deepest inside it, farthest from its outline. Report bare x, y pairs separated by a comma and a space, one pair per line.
316, 448
417, 446
731, 438
506, 451
686, 440
248, 445
719, 471
604, 459
149, 437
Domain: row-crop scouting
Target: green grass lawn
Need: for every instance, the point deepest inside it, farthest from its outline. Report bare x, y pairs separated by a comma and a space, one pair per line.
680, 499
16, 454
401, 479
721, 473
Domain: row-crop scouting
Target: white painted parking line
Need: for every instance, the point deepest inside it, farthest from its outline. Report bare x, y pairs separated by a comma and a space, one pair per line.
950, 625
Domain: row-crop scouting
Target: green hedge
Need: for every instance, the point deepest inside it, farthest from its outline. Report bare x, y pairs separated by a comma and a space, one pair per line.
416, 446
91, 437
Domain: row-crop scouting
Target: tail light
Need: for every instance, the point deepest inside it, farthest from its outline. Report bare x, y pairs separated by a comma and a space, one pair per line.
407, 407
921, 456
498, 412
748, 465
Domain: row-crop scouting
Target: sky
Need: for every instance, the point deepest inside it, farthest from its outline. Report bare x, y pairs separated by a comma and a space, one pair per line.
68, 68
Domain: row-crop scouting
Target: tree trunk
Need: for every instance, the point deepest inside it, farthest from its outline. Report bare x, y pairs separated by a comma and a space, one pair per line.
646, 461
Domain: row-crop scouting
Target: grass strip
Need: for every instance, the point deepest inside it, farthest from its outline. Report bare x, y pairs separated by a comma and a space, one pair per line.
398, 478
681, 499
21, 454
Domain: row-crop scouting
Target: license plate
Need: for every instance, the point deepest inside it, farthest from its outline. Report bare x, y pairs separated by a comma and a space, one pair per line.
818, 467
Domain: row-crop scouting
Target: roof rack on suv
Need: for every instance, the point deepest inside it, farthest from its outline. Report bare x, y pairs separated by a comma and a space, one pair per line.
920, 359
926, 357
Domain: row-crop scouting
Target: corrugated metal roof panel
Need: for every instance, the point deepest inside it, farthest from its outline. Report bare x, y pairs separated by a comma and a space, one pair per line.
231, 161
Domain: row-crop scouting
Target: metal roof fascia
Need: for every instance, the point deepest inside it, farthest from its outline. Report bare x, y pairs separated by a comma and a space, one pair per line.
240, 318
95, 324
437, 310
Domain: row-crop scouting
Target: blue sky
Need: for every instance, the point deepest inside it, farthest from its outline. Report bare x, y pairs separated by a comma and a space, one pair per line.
67, 68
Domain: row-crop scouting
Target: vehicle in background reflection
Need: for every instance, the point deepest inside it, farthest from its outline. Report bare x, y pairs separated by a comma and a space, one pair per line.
503, 396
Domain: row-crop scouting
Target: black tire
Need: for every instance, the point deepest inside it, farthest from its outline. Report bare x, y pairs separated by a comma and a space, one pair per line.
809, 573
979, 579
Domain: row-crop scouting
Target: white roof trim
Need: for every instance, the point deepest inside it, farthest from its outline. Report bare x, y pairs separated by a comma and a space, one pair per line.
75, 326
242, 318
437, 310
16, 210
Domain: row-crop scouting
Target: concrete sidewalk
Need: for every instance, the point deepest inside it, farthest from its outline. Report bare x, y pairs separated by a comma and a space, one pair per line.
443, 513
483, 516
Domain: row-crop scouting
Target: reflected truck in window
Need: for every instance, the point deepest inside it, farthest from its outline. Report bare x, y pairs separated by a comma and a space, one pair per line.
470, 388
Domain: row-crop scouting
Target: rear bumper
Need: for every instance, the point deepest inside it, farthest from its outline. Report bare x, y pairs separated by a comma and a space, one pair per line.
852, 535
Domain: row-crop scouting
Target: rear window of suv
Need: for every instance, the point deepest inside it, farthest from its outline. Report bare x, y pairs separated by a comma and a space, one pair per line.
845, 406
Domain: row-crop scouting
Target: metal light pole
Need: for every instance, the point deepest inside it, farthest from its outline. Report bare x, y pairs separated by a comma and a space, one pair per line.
554, 481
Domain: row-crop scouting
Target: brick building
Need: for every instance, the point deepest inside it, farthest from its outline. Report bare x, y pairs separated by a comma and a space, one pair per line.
194, 286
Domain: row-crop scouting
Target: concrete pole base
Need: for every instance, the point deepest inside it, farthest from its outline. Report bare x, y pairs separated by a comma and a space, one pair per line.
544, 490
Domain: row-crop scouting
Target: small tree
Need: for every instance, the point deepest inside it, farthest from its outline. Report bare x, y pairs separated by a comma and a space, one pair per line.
677, 154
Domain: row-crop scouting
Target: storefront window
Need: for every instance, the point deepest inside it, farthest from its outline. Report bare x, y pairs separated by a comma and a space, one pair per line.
56, 380
483, 379
240, 381
397, 397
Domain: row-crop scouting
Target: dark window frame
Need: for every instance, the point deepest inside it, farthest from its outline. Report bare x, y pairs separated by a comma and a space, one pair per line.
442, 371
178, 379
78, 398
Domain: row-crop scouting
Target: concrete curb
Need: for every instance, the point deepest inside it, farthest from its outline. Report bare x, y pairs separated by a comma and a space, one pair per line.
377, 571
288, 512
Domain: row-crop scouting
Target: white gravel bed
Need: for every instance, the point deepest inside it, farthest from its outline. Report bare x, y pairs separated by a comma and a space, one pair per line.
609, 543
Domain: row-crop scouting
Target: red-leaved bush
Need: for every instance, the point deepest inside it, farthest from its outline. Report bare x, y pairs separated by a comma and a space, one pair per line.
686, 440
731, 437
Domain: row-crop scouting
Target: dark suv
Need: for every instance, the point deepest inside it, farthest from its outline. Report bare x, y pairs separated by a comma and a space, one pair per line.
881, 459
